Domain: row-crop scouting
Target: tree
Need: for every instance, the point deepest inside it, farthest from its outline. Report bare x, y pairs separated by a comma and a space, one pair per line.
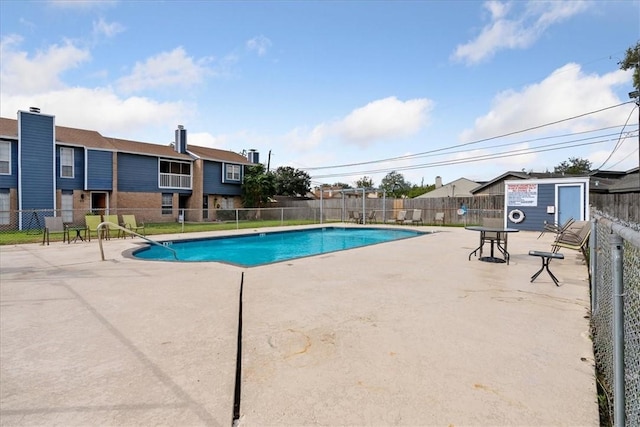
395, 185
258, 186
340, 185
632, 60
419, 190
364, 182
575, 166
292, 182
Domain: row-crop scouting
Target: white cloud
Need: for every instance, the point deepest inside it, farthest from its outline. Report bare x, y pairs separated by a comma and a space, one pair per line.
564, 94
205, 139
302, 139
99, 109
385, 119
36, 81
259, 44
173, 68
107, 29
518, 31
82, 4
380, 120
567, 92
29, 75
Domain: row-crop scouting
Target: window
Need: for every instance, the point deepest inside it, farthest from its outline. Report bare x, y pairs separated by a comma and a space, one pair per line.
226, 203
175, 174
5, 158
5, 215
67, 206
167, 204
66, 162
233, 173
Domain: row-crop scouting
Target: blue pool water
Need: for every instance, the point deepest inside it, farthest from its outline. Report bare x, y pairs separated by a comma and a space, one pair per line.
264, 248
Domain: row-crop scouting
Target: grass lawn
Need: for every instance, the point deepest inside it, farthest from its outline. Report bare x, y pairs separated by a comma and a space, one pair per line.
35, 236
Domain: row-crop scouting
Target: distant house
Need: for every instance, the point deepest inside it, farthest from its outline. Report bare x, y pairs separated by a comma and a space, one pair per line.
461, 187
616, 182
75, 171
343, 193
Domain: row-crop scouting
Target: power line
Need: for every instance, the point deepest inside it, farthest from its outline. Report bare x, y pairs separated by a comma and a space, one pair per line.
519, 152
439, 152
620, 139
624, 158
467, 143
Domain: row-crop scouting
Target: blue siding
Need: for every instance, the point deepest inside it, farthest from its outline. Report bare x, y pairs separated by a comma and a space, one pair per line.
37, 161
99, 170
11, 181
535, 216
77, 182
212, 176
137, 173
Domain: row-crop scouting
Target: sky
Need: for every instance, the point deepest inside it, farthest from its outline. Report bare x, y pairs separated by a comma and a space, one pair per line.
340, 89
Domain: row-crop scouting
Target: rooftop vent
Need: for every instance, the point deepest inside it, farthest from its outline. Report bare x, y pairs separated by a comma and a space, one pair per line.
34, 110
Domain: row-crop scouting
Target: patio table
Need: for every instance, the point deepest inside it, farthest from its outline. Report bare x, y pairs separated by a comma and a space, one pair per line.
77, 229
483, 238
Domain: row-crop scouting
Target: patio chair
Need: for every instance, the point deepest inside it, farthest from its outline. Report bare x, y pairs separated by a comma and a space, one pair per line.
402, 216
112, 231
371, 218
354, 217
556, 228
129, 221
54, 224
574, 238
416, 218
92, 222
439, 218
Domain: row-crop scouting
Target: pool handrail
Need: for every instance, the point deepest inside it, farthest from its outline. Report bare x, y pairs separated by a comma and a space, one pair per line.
126, 230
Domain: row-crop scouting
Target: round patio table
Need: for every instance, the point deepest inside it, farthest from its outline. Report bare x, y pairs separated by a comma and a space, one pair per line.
483, 238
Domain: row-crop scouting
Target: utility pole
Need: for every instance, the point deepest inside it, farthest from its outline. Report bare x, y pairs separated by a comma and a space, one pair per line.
636, 95
269, 161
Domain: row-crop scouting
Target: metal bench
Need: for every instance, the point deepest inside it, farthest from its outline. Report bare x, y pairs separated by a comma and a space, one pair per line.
546, 258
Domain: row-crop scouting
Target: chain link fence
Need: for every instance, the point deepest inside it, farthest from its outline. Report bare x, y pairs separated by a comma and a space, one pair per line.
18, 227
615, 305
27, 226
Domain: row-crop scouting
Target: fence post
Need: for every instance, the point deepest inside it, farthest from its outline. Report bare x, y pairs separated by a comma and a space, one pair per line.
593, 264
618, 330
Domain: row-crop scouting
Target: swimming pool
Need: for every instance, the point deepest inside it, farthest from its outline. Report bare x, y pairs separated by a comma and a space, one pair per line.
251, 250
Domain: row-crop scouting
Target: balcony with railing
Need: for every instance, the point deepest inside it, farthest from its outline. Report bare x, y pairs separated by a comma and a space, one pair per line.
174, 180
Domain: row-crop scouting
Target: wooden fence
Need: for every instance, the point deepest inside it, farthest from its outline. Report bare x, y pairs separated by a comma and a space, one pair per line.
625, 206
386, 209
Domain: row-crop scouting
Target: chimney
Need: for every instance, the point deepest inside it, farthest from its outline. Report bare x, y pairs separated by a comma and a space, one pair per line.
34, 110
181, 140
438, 181
253, 156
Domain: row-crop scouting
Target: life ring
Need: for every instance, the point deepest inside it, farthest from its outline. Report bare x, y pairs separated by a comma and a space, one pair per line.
516, 216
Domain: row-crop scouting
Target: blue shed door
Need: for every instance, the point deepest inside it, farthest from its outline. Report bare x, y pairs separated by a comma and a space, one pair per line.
569, 203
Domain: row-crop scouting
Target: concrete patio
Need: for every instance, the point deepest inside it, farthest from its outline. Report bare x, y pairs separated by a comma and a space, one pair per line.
402, 333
